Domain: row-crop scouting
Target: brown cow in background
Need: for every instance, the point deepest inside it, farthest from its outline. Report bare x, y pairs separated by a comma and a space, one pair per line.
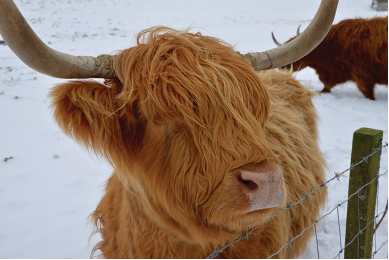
353, 50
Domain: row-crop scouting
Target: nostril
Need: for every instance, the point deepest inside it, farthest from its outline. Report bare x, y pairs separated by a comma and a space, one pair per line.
263, 186
251, 185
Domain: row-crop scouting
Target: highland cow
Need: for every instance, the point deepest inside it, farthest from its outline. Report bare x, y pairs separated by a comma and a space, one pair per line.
203, 147
187, 136
353, 50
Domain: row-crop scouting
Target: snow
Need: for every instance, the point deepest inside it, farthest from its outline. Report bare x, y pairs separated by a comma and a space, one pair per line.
51, 185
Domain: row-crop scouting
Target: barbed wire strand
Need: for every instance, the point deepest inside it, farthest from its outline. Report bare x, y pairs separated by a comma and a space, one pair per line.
363, 159
337, 177
217, 251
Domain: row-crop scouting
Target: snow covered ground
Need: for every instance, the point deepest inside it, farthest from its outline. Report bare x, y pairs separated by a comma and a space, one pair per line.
49, 185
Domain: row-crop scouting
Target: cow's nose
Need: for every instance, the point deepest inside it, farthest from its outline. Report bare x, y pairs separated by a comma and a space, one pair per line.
263, 185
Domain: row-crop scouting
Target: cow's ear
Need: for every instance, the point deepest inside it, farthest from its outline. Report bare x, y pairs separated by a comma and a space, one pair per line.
88, 112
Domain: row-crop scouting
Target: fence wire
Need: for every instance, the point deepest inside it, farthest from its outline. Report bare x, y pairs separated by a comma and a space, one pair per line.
336, 177
340, 204
359, 233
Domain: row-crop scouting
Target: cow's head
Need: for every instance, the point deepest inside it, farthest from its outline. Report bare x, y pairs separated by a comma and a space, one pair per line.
182, 120
183, 127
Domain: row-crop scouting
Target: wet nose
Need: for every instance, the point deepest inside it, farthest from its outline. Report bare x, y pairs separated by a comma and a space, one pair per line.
263, 185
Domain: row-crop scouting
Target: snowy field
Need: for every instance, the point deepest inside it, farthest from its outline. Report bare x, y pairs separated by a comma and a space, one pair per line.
49, 185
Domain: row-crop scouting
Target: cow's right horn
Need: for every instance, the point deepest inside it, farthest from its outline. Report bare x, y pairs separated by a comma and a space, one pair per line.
298, 30
301, 45
32, 51
275, 40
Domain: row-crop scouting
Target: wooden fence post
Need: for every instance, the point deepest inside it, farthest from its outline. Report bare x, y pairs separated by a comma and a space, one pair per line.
361, 207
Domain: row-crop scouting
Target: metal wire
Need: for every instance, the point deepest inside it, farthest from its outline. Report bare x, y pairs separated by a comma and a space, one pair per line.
375, 222
359, 227
317, 244
340, 233
376, 251
364, 186
290, 250
359, 233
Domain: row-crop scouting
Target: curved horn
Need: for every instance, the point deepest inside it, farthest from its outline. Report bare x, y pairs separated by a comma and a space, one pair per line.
298, 30
274, 40
35, 53
300, 46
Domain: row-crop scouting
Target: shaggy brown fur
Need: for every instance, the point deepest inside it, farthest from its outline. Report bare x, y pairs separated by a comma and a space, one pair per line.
185, 112
353, 50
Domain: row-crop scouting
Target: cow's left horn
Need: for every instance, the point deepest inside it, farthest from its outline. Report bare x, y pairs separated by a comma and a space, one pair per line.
300, 46
32, 51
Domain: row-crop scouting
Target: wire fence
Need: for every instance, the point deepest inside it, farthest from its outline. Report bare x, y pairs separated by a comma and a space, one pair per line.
342, 248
